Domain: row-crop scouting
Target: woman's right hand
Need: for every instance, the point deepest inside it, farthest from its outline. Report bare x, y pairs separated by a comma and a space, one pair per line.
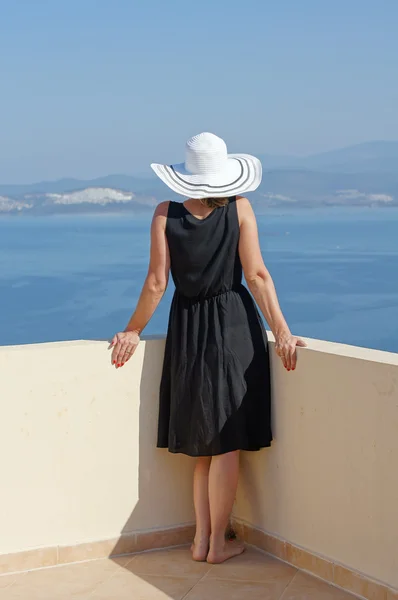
123, 346
285, 347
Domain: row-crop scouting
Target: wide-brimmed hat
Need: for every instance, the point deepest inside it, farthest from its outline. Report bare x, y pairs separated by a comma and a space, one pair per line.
209, 171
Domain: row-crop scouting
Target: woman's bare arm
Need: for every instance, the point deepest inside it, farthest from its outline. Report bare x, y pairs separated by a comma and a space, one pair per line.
158, 272
262, 287
125, 343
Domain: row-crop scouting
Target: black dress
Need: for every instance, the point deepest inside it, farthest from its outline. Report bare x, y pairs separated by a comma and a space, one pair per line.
215, 389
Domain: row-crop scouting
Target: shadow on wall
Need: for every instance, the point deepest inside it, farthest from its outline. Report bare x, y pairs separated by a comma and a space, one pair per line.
164, 480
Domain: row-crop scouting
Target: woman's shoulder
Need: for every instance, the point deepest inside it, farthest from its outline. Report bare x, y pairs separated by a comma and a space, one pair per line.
243, 207
162, 208
241, 202
169, 210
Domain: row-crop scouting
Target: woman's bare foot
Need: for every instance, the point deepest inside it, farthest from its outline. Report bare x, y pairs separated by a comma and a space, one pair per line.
200, 549
227, 551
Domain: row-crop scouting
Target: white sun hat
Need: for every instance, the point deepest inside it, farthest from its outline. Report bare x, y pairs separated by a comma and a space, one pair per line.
209, 171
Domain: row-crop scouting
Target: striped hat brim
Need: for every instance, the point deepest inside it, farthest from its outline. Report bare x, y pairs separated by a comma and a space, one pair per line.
242, 174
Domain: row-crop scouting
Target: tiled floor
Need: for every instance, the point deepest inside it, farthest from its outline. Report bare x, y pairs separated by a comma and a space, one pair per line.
169, 575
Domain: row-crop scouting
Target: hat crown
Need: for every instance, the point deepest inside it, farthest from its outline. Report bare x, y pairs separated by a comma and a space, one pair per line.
205, 154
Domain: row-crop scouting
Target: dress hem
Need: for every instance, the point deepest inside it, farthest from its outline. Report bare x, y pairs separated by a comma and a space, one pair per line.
208, 454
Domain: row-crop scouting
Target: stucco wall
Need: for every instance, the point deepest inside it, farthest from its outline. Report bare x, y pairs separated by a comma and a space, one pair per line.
77, 441
330, 481
79, 463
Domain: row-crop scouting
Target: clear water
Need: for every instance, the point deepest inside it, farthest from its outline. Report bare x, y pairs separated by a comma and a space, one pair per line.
335, 270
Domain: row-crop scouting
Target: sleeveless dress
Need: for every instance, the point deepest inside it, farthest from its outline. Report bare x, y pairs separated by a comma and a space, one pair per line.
215, 388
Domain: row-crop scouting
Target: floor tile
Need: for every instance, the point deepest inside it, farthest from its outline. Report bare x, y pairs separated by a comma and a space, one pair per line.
222, 589
129, 586
254, 566
75, 581
176, 562
306, 587
170, 575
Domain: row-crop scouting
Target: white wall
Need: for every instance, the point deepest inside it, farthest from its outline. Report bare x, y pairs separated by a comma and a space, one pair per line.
77, 441
79, 463
330, 481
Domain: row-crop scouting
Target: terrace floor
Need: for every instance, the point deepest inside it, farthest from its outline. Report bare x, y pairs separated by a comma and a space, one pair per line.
170, 575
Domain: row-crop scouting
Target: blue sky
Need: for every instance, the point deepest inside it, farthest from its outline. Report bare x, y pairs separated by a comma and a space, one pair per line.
92, 87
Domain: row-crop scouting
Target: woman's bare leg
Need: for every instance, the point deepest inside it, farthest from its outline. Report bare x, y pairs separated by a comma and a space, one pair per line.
200, 547
223, 482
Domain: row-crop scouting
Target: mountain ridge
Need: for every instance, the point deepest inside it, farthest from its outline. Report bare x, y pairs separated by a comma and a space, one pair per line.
378, 156
364, 174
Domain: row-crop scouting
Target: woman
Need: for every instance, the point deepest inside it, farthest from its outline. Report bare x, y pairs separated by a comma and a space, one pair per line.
215, 391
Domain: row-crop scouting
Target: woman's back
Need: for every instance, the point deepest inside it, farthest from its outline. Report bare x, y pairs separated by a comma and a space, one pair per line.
204, 252
215, 395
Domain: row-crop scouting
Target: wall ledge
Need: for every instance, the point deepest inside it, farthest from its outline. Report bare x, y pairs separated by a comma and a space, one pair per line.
313, 345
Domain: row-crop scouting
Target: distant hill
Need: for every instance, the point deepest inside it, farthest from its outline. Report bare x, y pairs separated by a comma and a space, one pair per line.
61, 186
380, 157
361, 175
318, 187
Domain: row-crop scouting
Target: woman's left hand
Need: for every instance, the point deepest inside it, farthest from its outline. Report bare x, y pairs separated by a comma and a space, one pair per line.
124, 345
285, 347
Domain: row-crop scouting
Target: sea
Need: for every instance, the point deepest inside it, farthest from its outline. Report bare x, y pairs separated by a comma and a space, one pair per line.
79, 277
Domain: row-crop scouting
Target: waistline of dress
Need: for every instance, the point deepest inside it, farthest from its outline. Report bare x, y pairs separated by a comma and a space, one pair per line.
197, 299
